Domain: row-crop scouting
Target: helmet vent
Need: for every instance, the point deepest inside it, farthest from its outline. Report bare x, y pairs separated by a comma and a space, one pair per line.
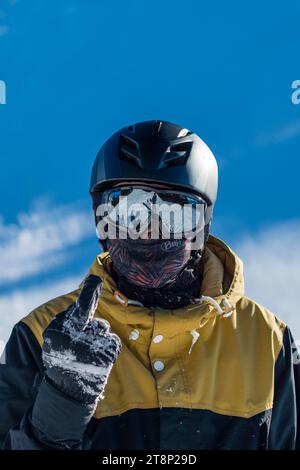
176, 155
131, 129
129, 150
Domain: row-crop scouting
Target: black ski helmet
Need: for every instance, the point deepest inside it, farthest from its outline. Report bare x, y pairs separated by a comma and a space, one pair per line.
158, 152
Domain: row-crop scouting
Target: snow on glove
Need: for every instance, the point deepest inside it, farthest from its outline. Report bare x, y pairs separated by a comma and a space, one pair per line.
79, 351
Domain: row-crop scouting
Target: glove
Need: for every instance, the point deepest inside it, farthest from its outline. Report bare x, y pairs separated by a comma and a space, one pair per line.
79, 351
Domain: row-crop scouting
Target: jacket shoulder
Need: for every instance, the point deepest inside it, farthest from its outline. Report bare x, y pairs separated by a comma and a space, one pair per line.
260, 321
40, 317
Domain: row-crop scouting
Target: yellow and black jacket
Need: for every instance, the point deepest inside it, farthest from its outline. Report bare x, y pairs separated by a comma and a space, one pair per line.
219, 374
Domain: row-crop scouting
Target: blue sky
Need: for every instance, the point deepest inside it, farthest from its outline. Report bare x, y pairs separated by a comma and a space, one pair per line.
76, 71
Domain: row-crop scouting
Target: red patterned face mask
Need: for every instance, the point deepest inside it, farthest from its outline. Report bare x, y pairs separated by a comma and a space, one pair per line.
149, 263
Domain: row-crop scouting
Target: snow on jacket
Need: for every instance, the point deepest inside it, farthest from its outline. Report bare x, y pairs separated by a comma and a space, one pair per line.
218, 374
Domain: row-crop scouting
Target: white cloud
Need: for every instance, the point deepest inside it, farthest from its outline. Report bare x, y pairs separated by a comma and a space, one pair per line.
18, 303
272, 270
40, 239
286, 132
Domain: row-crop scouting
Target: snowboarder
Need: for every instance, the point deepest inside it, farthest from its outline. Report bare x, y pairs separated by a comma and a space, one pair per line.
158, 348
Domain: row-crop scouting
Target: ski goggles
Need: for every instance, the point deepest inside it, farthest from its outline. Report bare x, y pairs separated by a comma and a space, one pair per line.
147, 211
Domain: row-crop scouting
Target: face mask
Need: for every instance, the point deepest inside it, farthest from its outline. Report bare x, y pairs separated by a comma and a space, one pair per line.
149, 263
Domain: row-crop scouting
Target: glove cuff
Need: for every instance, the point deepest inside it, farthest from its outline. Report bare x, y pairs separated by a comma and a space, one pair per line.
58, 417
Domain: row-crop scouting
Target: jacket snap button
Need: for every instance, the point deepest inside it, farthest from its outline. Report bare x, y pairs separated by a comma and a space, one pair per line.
158, 338
159, 365
134, 334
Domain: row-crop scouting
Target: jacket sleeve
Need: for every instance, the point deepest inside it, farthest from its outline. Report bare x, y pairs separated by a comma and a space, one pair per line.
35, 415
285, 422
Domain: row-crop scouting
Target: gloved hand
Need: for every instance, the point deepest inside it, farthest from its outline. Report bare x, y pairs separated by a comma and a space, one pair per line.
79, 351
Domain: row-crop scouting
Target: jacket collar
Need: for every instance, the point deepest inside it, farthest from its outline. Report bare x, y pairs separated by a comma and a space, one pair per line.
222, 287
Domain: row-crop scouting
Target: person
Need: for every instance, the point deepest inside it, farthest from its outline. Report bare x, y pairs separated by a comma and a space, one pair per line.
158, 348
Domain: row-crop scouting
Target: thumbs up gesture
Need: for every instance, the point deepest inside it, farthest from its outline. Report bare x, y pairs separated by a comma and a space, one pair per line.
79, 350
